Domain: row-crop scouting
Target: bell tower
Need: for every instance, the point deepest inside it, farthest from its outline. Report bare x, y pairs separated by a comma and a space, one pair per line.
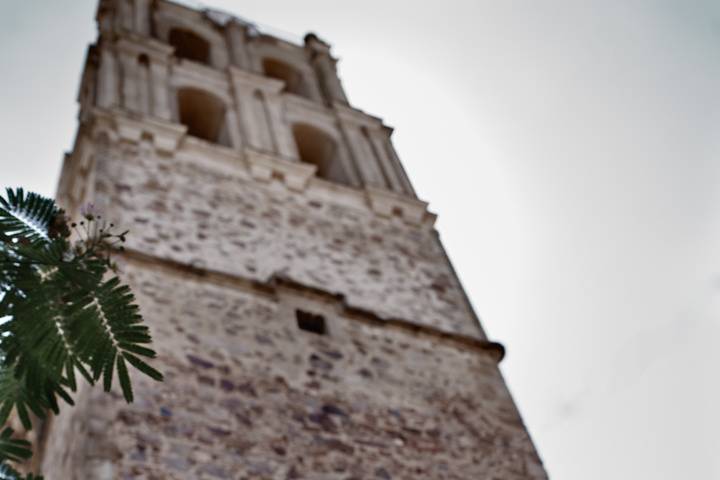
308, 322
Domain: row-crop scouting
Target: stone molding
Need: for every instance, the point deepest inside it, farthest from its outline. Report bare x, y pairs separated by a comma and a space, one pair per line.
277, 283
171, 138
264, 167
137, 45
186, 73
254, 81
357, 117
386, 203
166, 136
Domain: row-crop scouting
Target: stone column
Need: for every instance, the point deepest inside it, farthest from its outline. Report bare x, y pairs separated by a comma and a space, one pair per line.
236, 39
145, 73
313, 84
142, 17
125, 18
347, 162
325, 69
258, 113
365, 160
107, 79
254, 119
231, 123
143, 83
159, 89
284, 140
377, 139
129, 65
397, 165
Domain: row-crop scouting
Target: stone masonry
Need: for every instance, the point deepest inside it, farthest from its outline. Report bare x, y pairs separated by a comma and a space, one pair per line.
307, 319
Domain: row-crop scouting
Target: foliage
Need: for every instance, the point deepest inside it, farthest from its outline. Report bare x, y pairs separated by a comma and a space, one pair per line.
62, 312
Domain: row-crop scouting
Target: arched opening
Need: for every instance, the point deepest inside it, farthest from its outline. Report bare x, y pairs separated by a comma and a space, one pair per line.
294, 82
189, 45
318, 148
203, 114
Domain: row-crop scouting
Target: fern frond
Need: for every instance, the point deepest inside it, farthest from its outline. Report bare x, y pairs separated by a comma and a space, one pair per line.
26, 216
14, 395
47, 253
59, 315
106, 330
13, 449
37, 350
35, 331
9, 473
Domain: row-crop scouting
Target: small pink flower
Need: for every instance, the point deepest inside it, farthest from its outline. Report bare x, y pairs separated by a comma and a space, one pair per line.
89, 211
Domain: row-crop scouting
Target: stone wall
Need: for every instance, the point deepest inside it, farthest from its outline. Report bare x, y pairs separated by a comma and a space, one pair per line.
198, 211
248, 395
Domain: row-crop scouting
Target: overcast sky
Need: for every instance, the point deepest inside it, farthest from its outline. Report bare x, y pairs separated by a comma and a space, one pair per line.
572, 152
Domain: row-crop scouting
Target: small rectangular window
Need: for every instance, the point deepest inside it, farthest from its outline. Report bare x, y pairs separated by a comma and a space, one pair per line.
310, 322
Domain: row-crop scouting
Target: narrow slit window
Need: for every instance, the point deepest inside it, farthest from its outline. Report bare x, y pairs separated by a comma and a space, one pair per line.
310, 322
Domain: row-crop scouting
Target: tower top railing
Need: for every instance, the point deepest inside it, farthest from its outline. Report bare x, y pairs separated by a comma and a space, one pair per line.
222, 18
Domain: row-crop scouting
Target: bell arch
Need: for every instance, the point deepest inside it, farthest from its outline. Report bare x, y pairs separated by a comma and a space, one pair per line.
203, 114
322, 150
292, 76
189, 45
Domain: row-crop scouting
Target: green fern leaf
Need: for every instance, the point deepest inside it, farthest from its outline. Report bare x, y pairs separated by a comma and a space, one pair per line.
9, 473
143, 367
26, 217
13, 449
124, 379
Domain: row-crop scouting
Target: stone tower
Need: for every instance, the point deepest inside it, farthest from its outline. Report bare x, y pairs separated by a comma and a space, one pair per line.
307, 319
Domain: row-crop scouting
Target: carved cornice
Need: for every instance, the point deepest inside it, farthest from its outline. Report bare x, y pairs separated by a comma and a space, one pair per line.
264, 167
135, 44
253, 81
193, 74
354, 116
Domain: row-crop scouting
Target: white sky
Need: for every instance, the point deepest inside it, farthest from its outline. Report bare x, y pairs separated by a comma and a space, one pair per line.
571, 150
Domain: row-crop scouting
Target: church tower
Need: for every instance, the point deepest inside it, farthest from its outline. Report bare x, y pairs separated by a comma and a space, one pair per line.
307, 319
